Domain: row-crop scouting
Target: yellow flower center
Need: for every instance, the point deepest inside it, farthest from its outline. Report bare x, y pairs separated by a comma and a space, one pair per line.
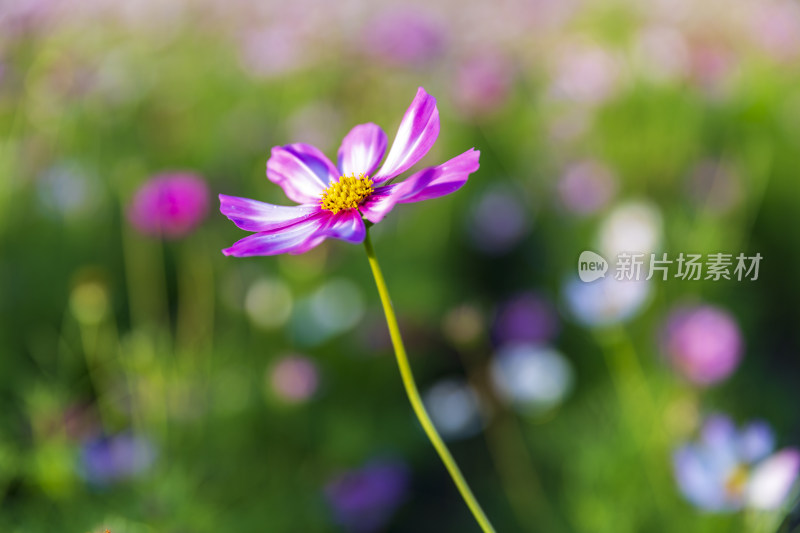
737, 481
347, 193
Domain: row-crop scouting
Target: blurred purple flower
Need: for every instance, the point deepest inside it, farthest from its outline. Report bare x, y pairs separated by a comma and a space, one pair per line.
107, 459
526, 317
169, 205
703, 343
334, 198
499, 220
404, 36
727, 469
586, 187
294, 379
365, 499
483, 83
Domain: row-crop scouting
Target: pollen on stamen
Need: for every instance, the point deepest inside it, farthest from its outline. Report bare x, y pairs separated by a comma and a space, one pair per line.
347, 193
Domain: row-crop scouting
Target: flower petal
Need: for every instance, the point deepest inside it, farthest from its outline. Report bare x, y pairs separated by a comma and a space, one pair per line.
362, 150
756, 441
429, 183
415, 136
252, 215
348, 226
772, 479
379, 203
441, 180
699, 481
302, 170
297, 238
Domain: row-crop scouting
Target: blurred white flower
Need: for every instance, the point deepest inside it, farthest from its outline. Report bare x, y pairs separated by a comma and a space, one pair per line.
531, 377
455, 408
772, 480
631, 227
605, 301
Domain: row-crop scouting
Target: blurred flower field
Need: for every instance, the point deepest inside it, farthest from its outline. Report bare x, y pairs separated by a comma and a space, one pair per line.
151, 384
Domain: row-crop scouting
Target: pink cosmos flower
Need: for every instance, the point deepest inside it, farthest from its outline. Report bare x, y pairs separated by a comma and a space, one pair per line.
703, 343
333, 199
169, 205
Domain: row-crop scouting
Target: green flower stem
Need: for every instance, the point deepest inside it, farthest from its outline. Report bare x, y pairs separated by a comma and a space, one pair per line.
414, 398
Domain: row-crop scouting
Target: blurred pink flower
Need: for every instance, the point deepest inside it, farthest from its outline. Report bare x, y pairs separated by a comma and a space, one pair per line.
712, 65
273, 51
775, 27
483, 83
404, 36
294, 378
586, 187
703, 343
587, 74
169, 205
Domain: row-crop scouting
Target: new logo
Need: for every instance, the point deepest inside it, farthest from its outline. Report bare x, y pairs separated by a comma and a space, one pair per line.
591, 266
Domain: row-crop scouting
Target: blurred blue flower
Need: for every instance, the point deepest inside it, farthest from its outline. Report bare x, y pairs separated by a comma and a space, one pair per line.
364, 500
66, 189
108, 459
728, 469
